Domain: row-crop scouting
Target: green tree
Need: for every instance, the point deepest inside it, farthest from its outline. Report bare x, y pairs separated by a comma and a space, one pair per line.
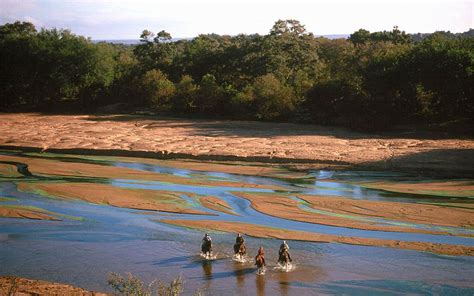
186, 95
155, 89
271, 98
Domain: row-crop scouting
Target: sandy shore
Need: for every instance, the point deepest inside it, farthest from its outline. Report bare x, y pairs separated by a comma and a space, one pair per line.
140, 199
10, 285
396, 211
305, 145
39, 166
353, 212
12, 211
268, 232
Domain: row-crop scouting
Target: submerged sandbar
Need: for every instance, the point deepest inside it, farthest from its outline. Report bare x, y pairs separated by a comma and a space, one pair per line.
277, 233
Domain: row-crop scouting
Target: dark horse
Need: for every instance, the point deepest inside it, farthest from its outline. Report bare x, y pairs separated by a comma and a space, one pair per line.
240, 249
206, 247
284, 257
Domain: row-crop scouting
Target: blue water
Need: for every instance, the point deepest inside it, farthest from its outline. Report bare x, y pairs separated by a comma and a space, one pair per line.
92, 240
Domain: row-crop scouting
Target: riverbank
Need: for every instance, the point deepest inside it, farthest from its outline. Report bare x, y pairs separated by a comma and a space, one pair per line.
10, 285
293, 145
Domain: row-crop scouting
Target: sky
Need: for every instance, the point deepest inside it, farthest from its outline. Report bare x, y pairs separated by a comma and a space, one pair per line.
126, 19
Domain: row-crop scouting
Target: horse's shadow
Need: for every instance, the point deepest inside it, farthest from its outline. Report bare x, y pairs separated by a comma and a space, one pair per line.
175, 260
226, 274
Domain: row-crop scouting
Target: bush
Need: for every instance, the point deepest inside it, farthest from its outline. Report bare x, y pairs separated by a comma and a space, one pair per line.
133, 286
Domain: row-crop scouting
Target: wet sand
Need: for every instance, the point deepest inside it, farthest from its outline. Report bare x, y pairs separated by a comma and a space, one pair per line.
140, 199
25, 212
397, 211
309, 145
41, 166
268, 232
447, 188
279, 205
216, 204
10, 285
239, 168
8, 170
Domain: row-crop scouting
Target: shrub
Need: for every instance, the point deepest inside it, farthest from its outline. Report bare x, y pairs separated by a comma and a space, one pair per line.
133, 286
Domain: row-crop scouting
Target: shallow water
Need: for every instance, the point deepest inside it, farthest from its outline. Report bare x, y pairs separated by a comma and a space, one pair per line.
93, 240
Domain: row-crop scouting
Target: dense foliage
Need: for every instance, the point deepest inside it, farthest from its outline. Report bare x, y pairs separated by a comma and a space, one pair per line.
370, 80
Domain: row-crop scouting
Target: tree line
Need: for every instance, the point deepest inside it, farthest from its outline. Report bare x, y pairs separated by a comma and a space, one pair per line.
371, 80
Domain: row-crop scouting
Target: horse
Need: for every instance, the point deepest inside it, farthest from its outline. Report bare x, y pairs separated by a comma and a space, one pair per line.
206, 248
284, 258
240, 249
260, 261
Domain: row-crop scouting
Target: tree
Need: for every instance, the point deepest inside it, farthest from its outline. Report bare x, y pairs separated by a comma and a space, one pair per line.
210, 99
360, 37
272, 99
292, 27
155, 89
186, 95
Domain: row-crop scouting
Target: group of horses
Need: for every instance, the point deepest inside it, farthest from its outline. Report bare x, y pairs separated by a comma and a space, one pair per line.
240, 251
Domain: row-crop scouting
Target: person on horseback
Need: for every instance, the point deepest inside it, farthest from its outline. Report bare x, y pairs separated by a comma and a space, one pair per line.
206, 246
239, 246
260, 258
284, 254
239, 239
284, 245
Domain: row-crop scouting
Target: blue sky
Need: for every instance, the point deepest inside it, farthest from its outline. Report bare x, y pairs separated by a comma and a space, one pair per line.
105, 19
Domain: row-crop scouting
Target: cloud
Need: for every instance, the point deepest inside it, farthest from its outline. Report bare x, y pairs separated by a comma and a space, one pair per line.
11, 10
104, 19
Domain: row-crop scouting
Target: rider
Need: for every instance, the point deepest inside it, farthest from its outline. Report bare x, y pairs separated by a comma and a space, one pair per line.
206, 240
239, 239
284, 248
239, 244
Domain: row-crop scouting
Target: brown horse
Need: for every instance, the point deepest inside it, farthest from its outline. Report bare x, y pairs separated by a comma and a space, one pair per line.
240, 249
260, 260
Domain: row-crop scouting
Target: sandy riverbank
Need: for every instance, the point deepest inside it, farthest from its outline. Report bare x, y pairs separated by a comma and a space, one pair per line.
357, 213
305, 145
10, 285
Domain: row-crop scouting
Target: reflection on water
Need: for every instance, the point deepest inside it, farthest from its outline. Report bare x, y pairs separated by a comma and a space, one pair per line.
260, 285
82, 252
207, 269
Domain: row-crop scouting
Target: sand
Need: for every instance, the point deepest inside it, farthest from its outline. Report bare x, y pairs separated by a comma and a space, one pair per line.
216, 204
397, 211
9, 171
279, 205
140, 199
41, 166
10, 285
237, 168
26, 212
268, 232
313, 146
439, 188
